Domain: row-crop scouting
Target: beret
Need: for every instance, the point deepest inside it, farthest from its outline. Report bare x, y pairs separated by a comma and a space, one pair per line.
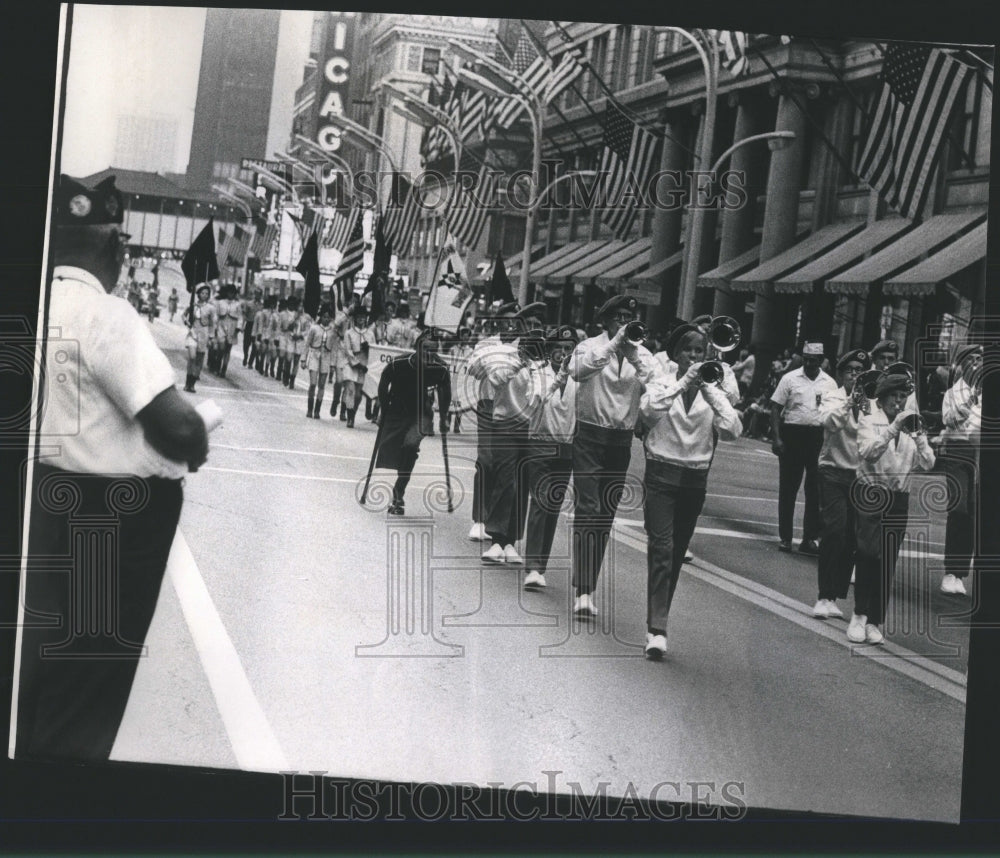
78, 205
677, 334
563, 335
618, 302
891, 384
884, 346
857, 356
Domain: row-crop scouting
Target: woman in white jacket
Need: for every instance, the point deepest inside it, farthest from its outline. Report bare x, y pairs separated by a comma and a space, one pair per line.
686, 417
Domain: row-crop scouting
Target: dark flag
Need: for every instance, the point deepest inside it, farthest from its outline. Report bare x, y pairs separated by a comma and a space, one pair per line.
200, 264
308, 267
500, 288
383, 249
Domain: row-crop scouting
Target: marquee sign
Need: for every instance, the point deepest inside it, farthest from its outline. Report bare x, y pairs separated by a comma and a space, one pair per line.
336, 70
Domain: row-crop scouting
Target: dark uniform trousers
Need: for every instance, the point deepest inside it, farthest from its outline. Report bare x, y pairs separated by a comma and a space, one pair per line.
86, 623
482, 483
510, 449
802, 447
549, 472
880, 536
674, 499
248, 351
600, 468
837, 546
959, 461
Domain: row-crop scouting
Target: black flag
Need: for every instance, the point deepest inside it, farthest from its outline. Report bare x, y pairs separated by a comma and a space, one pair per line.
383, 249
308, 267
199, 264
500, 288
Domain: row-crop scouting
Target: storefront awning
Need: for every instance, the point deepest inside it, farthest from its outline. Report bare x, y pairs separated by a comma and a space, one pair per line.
757, 279
539, 266
623, 271
846, 253
610, 258
948, 261
512, 265
718, 278
568, 273
929, 236
551, 265
652, 274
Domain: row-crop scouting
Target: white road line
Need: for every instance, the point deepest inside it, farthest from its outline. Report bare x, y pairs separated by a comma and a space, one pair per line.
311, 453
308, 476
924, 670
748, 498
253, 741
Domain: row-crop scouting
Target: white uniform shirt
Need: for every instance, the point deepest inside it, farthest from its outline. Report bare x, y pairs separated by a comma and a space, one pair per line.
681, 437
102, 368
609, 385
801, 398
957, 428
882, 460
555, 418
840, 431
490, 355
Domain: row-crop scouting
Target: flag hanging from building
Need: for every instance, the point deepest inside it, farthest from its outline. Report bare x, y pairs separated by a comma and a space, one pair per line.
240, 246
264, 239
626, 165
354, 253
733, 45
535, 71
920, 85
569, 68
200, 263
468, 209
338, 227
308, 267
401, 217
500, 288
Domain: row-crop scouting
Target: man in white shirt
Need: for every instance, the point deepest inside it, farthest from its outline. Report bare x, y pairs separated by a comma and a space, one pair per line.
961, 413
123, 439
798, 436
838, 465
744, 369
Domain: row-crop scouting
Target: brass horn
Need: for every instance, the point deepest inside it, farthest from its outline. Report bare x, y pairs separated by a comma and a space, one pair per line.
711, 372
724, 334
636, 332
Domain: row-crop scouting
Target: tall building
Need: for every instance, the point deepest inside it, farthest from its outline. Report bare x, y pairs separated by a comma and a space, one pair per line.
233, 105
146, 142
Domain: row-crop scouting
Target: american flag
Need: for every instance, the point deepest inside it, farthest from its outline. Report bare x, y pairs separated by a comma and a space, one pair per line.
337, 228
568, 69
225, 247
534, 69
920, 85
436, 140
401, 216
734, 52
354, 253
467, 211
627, 162
241, 246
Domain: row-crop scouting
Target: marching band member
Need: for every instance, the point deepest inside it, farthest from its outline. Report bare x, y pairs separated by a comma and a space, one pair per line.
405, 392
317, 359
961, 412
889, 450
884, 354
341, 323
838, 465
400, 332
550, 466
798, 437
229, 319
611, 373
517, 383
212, 357
286, 319
685, 416
301, 324
261, 320
249, 309
273, 335
202, 325
354, 347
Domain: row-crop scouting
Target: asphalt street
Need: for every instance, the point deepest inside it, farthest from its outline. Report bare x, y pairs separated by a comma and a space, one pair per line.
300, 631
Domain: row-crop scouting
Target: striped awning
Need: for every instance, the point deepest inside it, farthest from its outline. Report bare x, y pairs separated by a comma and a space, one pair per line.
568, 272
718, 278
652, 274
757, 279
556, 262
624, 271
548, 259
608, 259
843, 255
948, 261
929, 236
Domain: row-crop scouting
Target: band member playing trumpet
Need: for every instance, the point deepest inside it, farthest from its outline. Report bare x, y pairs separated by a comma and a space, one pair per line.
838, 465
686, 415
891, 445
798, 437
961, 412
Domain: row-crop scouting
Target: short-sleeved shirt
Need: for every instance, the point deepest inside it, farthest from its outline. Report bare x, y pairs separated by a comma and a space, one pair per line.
801, 398
102, 368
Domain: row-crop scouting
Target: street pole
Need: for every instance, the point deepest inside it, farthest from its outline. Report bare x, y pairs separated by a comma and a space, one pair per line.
529, 221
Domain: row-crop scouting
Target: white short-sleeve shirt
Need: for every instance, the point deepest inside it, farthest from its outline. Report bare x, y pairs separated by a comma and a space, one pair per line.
102, 368
801, 398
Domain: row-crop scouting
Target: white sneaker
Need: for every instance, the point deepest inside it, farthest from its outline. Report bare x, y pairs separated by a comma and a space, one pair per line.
584, 605
832, 610
820, 609
873, 635
656, 646
688, 557
852, 576
534, 580
493, 554
856, 628
954, 586
511, 556
478, 532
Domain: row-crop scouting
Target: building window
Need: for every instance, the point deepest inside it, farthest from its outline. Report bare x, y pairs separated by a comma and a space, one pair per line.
859, 128
963, 131
431, 61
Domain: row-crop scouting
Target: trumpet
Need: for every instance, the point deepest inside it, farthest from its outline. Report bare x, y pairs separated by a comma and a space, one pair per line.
711, 372
724, 334
913, 424
864, 388
636, 332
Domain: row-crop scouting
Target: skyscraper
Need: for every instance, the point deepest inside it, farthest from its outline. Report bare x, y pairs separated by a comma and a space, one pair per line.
233, 106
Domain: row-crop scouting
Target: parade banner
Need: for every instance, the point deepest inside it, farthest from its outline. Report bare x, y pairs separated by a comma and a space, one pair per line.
463, 395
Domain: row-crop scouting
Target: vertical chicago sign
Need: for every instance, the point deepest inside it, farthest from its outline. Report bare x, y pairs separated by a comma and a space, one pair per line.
336, 72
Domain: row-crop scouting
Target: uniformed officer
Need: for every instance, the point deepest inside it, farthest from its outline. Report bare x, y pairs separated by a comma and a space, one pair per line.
884, 354
286, 321
202, 323
837, 466
126, 438
229, 320
301, 323
317, 358
798, 437
611, 373
261, 322
341, 324
405, 391
249, 308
